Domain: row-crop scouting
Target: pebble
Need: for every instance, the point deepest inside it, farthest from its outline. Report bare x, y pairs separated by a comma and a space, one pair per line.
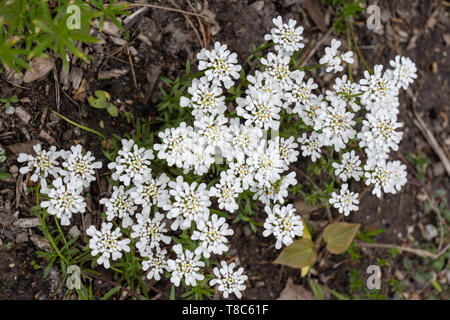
21, 237
247, 231
23, 115
74, 232
13, 169
430, 232
438, 169
40, 67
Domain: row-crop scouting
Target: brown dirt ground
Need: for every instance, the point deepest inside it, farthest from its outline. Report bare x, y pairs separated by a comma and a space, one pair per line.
408, 30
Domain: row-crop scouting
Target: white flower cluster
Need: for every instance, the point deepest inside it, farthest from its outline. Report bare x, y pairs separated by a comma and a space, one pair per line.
76, 172
150, 204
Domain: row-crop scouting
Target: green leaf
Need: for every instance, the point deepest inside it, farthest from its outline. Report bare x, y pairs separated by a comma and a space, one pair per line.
110, 293
339, 236
299, 254
112, 110
317, 290
436, 285
172, 293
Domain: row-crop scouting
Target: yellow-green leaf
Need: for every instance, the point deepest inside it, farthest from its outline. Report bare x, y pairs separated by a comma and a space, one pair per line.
339, 236
299, 254
307, 235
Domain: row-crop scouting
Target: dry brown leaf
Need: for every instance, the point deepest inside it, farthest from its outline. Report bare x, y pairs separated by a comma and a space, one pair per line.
295, 292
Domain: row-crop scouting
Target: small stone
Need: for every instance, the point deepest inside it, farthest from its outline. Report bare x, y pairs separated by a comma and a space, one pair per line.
74, 232
114, 73
12, 265
430, 232
257, 6
21, 237
247, 231
44, 135
118, 41
23, 115
25, 223
41, 243
40, 67
438, 168
399, 275
13, 169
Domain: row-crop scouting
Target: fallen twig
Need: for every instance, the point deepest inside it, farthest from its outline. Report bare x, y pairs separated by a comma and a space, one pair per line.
418, 252
429, 137
314, 49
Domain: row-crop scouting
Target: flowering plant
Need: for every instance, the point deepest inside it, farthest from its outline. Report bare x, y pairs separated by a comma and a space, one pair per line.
173, 201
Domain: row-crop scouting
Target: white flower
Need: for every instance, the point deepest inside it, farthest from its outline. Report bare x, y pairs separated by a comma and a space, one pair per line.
389, 176
107, 243
175, 146
243, 138
263, 82
201, 157
243, 172
283, 223
260, 110
120, 205
157, 263
131, 163
346, 90
2, 155
150, 232
191, 203
64, 199
267, 163
186, 266
212, 236
206, 98
346, 201
349, 167
288, 150
332, 60
310, 146
286, 37
150, 192
220, 65
378, 86
336, 125
405, 71
227, 191
310, 112
301, 92
276, 192
229, 281
277, 67
212, 130
79, 166
41, 165
378, 132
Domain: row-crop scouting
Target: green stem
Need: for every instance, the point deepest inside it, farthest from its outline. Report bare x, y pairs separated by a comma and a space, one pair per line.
44, 226
115, 269
79, 125
59, 229
361, 57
